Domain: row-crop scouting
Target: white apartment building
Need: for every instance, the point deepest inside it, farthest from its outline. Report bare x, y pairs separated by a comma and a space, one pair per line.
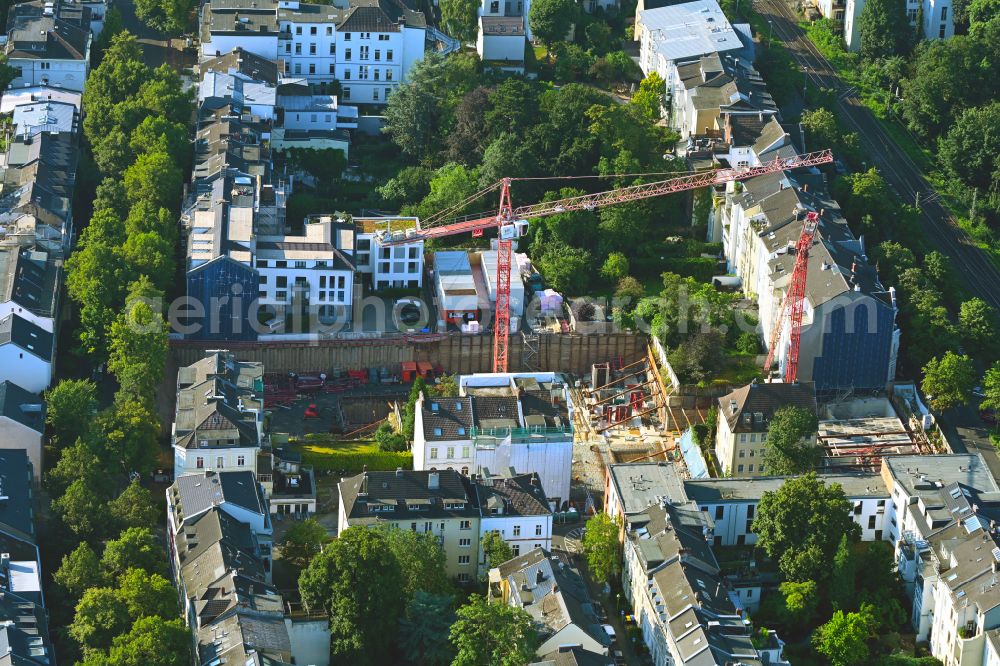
27, 353
48, 43
219, 420
399, 265
744, 417
938, 18
516, 508
944, 512
367, 45
731, 504
312, 267
518, 421
680, 32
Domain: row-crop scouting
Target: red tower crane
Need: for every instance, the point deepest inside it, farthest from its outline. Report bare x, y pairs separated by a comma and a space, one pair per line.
793, 303
512, 222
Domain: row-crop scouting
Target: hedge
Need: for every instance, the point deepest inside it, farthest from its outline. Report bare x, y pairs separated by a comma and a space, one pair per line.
354, 457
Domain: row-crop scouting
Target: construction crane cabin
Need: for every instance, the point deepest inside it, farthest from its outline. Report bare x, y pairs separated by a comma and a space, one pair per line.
512, 223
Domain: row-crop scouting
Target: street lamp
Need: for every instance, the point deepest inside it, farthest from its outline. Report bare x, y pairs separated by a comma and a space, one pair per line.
770, 31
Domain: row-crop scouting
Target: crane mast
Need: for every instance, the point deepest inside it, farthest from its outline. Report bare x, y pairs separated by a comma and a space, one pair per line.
512, 223
794, 303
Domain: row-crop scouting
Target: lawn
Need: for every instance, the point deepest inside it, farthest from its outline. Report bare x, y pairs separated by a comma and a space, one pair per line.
323, 452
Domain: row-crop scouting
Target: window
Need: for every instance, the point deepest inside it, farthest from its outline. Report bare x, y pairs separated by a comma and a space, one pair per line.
298, 30
312, 49
743, 454
743, 439
388, 54
944, 14
871, 522
347, 93
463, 559
347, 36
751, 510
752, 453
383, 38
375, 94
451, 449
465, 471
434, 453
375, 73
517, 530
241, 461
741, 540
465, 543
220, 462
413, 527
366, 35
495, 7
718, 512
739, 468
463, 578
465, 525
943, 31
288, 49
333, 48
388, 77
538, 530
428, 526
911, 15
437, 433
312, 30
749, 526
363, 72
329, 30
750, 469
761, 469
347, 54
465, 449
378, 54
878, 535
516, 549
298, 68
199, 463
364, 53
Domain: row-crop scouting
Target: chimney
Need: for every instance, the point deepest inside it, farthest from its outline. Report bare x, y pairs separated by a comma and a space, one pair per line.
805, 188
433, 481
539, 576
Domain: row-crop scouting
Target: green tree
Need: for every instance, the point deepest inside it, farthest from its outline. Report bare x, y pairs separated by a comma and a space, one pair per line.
600, 546
146, 594
488, 634
884, 29
650, 97
81, 507
356, 581
131, 434
800, 526
566, 268
96, 279
80, 570
842, 578
791, 448
134, 507
451, 185
550, 20
408, 186
970, 148
154, 177
423, 632
70, 407
801, 601
446, 387
506, 156
120, 75
460, 19
748, 343
420, 561
949, 76
99, 617
513, 107
948, 382
152, 641
157, 134
388, 439
170, 16
821, 128
82, 460
978, 324
495, 549
615, 267
469, 135
302, 541
843, 640
135, 548
409, 409
893, 259
138, 349
991, 389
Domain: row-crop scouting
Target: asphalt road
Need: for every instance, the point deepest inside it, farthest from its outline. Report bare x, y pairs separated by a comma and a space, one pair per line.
980, 275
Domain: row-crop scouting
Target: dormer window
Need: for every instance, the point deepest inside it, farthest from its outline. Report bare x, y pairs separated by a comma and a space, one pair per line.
458, 406
434, 407
461, 431
746, 418
437, 432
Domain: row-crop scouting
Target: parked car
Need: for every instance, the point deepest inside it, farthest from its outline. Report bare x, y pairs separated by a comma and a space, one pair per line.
600, 612
619, 658
610, 631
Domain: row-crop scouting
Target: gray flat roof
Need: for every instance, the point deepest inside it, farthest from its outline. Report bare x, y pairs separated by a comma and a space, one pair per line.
709, 491
965, 468
641, 485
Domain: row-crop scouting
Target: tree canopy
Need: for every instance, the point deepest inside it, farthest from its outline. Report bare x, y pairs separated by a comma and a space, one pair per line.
800, 526
495, 549
884, 29
600, 546
423, 631
488, 634
791, 447
302, 541
948, 381
550, 20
